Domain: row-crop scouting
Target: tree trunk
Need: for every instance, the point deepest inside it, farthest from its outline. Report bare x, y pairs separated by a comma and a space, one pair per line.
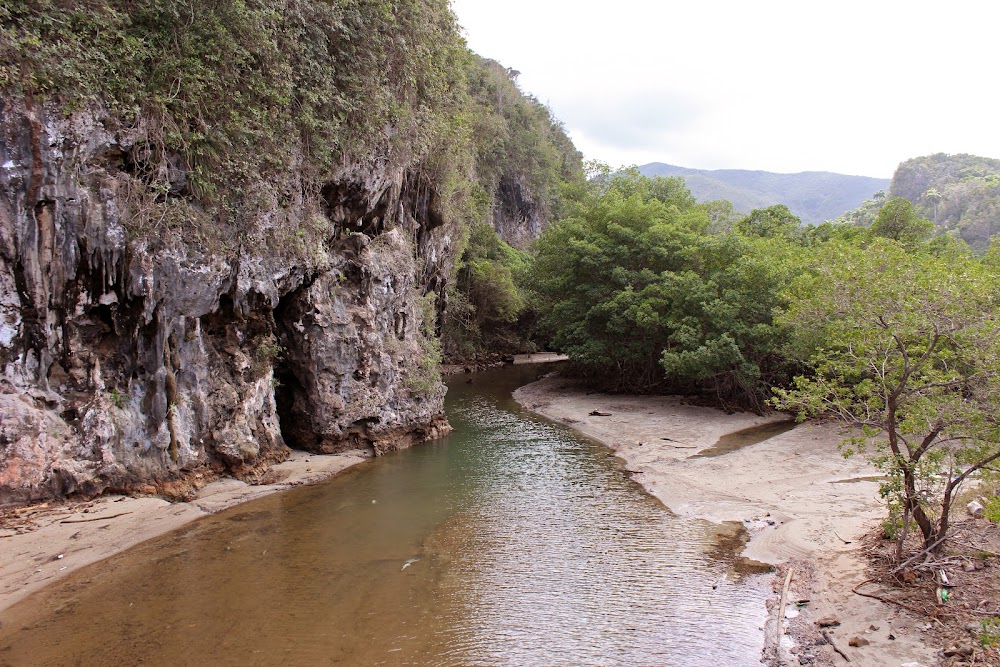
942, 528
903, 533
912, 504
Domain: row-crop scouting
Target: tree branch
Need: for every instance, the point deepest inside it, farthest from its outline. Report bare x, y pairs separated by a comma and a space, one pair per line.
928, 440
981, 464
940, 385
908, 368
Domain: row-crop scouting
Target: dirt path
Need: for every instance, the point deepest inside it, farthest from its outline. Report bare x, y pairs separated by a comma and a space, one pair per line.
800, 500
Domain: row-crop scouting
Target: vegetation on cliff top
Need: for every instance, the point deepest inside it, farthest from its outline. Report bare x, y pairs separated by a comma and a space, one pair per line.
958, 194
235, 89
525, 163
235, 115
227, 96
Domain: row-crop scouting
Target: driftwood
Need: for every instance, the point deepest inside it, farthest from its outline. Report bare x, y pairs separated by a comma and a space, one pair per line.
881, 598
778, 624
31, 508
680, 445
922, 552
96, 518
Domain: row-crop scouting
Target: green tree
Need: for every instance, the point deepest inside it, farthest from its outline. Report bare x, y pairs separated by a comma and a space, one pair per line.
835, 230
597, 273
724, 340
933, 197
722, 215
898, 220
486, 298
864, 215
904, 348
643, 298
771, 222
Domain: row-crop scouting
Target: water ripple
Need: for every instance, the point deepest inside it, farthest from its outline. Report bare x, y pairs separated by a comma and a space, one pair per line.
512, 542
569, 563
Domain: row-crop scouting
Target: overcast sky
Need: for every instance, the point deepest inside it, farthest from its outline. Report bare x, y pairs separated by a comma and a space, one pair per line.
782, 85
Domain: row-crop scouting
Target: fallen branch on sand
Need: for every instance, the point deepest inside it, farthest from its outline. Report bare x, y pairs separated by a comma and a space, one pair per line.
30, 508
96, 518
680, 445
778, 625
880, 598
920, 553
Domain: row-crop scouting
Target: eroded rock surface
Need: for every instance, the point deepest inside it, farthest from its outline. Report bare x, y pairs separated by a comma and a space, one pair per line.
137, 355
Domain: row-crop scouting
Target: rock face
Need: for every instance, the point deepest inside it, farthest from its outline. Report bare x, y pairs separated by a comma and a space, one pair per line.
518, 216
132, 355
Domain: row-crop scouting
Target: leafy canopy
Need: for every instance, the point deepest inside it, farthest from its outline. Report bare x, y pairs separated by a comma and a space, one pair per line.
903, 346
898, 220
643, 297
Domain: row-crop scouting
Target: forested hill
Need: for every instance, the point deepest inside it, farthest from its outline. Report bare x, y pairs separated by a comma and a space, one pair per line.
960, 193
814, 196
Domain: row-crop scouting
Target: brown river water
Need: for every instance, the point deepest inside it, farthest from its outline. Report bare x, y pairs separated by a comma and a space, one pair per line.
511, 542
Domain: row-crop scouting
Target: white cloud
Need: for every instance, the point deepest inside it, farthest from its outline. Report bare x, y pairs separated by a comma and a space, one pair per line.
783, 85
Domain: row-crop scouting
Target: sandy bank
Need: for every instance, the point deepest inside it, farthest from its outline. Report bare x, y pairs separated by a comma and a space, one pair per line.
41, 544
800, 500
517, 359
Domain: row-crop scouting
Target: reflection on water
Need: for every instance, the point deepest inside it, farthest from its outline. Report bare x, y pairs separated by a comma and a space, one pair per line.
512, 542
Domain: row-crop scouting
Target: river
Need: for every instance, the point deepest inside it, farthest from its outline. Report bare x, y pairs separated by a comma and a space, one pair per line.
511, 542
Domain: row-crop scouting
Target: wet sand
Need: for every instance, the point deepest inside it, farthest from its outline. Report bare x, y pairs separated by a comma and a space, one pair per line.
59, 538
800, 500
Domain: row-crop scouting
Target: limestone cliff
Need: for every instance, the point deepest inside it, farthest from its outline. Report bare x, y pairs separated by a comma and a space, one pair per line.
136, 360
229, 228
517, 216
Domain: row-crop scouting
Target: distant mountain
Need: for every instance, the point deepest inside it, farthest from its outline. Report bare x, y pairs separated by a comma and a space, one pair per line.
960, 193
814, 196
